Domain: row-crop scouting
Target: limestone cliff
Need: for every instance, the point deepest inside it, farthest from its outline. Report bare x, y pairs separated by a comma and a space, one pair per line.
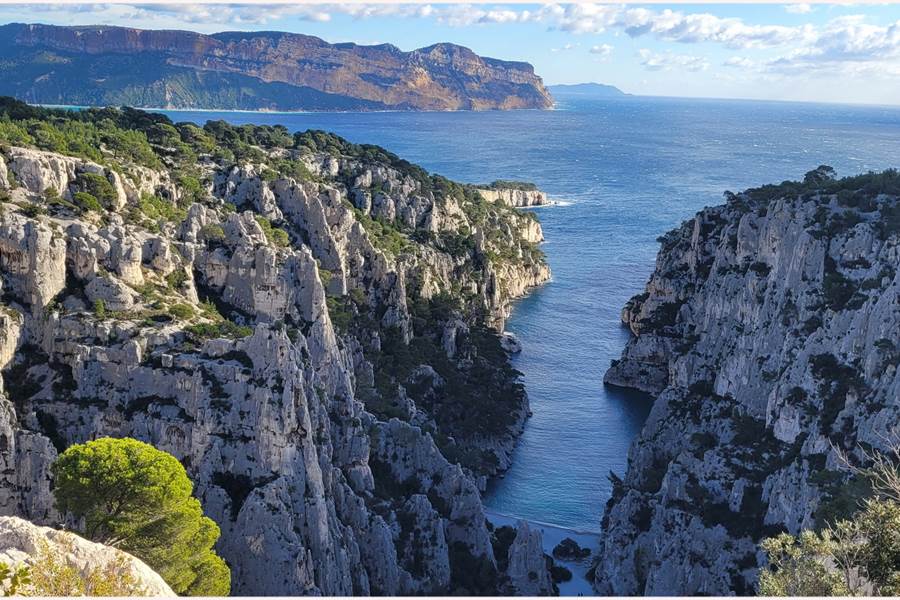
307, 324
25, 544
514, 194
769, 334
253, 70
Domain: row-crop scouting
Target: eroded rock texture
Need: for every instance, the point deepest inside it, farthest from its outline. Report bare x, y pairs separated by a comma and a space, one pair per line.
769, 333
310, 327
26, 544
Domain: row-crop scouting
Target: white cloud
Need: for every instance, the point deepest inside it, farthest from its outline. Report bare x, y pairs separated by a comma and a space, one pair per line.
674, 26
799, 9
843, 45
668, 61
740, 62
846, 45
564, 48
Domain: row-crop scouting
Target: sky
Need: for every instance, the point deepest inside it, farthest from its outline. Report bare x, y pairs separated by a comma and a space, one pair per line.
848, 53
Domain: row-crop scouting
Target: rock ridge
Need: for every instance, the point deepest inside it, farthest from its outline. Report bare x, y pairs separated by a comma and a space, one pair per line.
282, 71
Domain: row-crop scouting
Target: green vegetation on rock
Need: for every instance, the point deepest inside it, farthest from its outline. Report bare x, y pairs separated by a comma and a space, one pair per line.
856, 556
137, 498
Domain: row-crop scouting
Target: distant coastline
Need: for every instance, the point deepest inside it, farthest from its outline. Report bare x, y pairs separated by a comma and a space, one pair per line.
254, 70
281, 112
597, 90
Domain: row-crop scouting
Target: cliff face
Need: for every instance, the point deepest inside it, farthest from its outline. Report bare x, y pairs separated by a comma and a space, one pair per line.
280, 71
303, 322
769, 333
510, 196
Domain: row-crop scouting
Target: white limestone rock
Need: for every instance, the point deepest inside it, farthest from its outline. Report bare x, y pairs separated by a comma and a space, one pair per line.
282, 452
518, 198
739, 336
4, 174
22, 542
528, 572
510, 342
115, 295
33, 256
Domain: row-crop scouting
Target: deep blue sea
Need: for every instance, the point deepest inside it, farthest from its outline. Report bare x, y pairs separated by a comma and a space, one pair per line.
626, 171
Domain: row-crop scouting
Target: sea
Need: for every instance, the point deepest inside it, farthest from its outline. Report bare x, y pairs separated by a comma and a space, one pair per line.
622, 172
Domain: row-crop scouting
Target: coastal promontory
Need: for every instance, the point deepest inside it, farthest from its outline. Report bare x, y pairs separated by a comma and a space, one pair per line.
112, 66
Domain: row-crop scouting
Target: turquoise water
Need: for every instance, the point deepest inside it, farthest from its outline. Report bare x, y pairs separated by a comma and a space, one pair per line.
627, 170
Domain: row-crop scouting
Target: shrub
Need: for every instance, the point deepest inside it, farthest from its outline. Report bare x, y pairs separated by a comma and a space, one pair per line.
798, 567
325, 275
857, 556
838, 290
176, 279
340, 312
212, 234
87, 202
223, 329
97, 186
277, 236
159, 209
13, 580
191, 188
502, 184
129, 494
100, 308
33, 210
52, 575
560, 574
13, 134
181, 311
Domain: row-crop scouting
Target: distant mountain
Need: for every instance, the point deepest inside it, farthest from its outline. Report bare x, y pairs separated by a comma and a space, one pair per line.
96, 65
587, 89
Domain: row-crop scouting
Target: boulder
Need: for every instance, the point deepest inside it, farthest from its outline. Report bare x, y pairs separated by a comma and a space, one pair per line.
114, 294
510, 342
568, 549
23, 543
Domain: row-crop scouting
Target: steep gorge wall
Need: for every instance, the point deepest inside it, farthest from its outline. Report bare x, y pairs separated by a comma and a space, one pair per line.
769, 334
256, 359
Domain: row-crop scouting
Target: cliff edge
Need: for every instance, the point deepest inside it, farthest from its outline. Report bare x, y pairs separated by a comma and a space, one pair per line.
768, 333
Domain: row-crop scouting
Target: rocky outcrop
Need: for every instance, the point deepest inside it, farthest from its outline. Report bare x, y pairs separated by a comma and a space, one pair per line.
527, 570
516, 197
768, 333
287, 346
279, 71
23, 543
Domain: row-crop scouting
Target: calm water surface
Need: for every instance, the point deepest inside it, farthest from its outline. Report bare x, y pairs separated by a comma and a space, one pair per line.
627, 170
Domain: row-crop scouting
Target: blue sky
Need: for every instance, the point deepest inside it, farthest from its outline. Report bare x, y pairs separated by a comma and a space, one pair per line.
818, 52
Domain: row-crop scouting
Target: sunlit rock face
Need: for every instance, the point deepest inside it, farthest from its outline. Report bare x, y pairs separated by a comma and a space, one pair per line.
768, 333
24, 544
287, 342
255, 71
